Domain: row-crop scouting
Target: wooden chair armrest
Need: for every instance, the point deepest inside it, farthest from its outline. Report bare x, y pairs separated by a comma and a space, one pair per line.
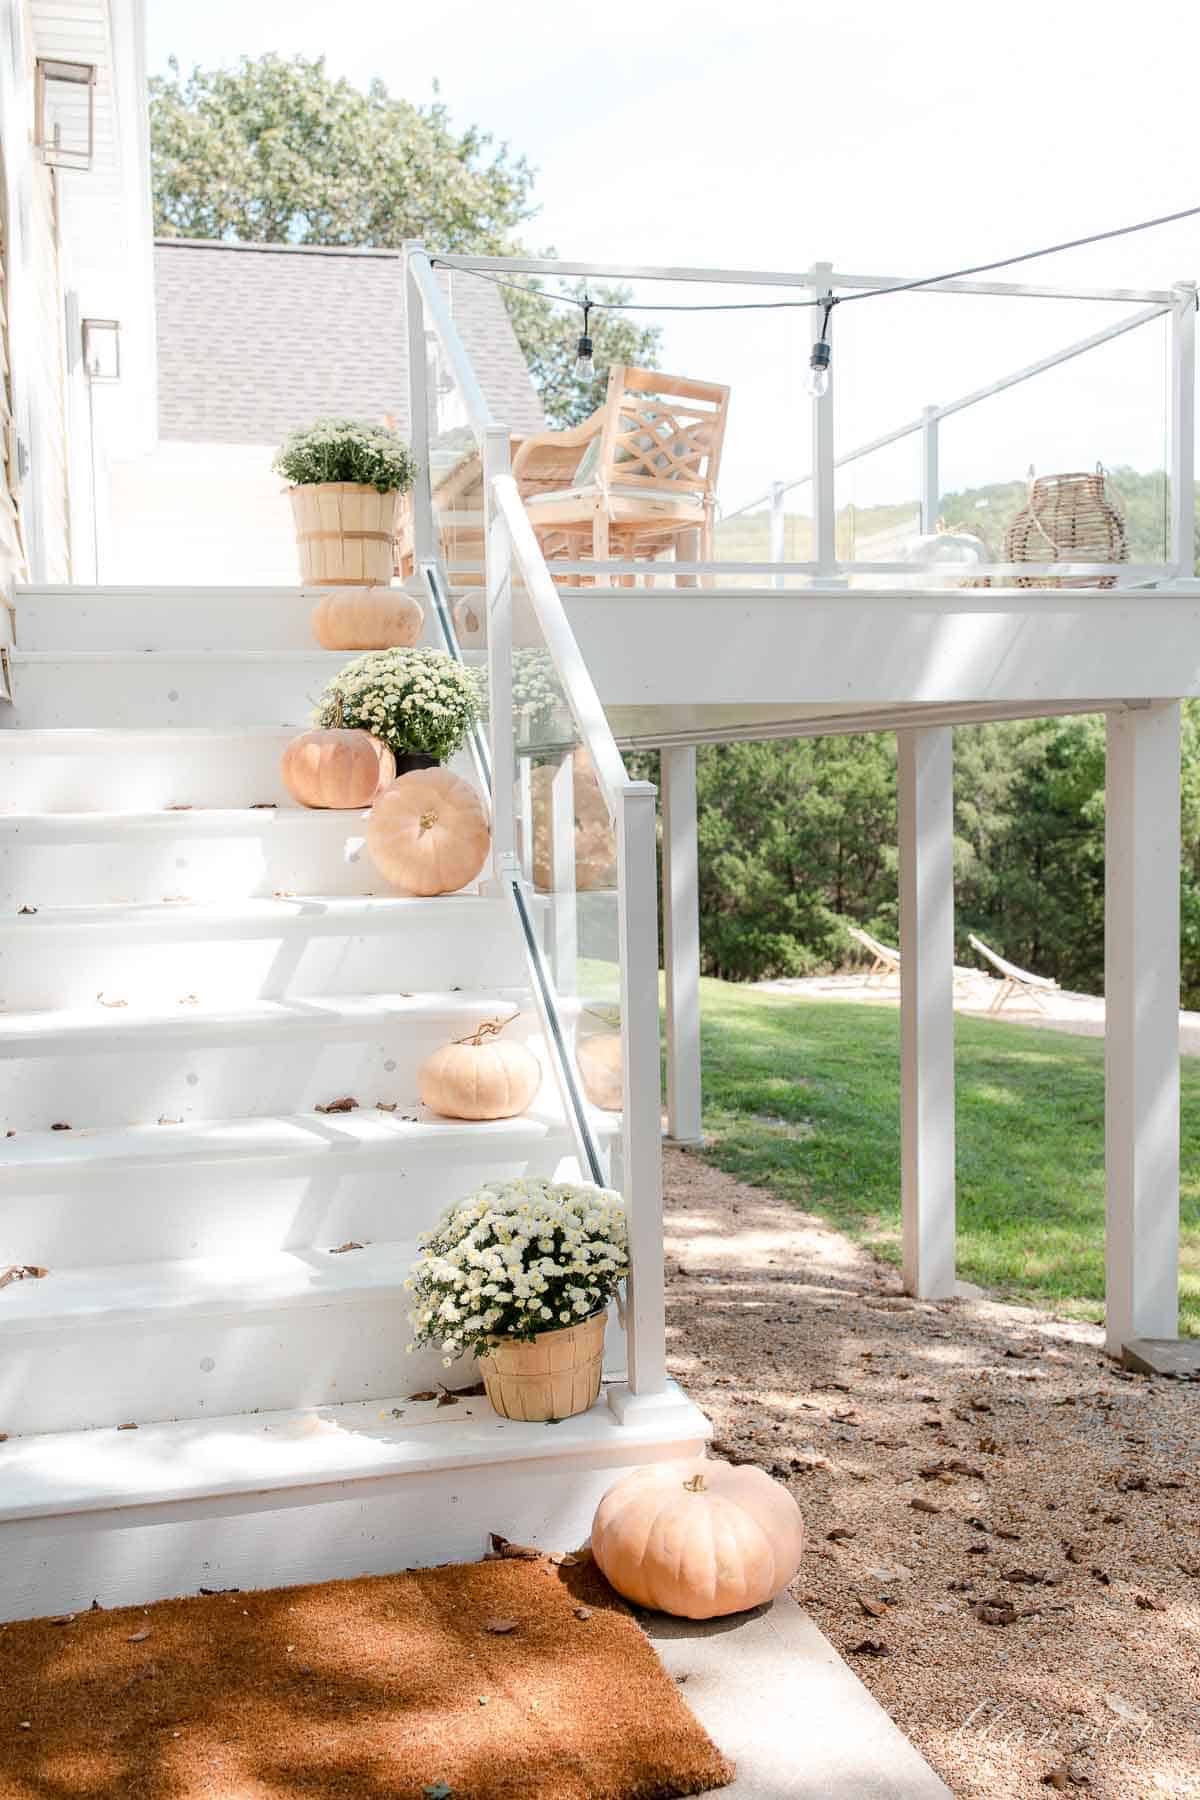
573, 439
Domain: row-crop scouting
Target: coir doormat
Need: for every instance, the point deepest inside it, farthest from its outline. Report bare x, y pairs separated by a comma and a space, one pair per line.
503, 1680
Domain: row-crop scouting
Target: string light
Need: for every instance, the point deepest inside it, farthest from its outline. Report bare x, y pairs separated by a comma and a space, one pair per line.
818, 362
585, 368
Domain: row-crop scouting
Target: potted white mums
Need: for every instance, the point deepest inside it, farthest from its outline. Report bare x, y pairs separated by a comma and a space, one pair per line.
346, 477
420, 703
520, 1274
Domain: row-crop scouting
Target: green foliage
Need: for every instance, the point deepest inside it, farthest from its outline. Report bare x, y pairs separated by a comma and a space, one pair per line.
548, 333
346, 450
278, 151
417, 702
803, 1098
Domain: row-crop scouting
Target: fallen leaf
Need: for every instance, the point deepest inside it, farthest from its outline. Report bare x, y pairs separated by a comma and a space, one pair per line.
1010, 1537
501, 1627
845, 1414
1072, 1554
925, 1506
1104, 1579
179, 806
980, 1406
446, 1398
139, 1637
26, 909
426, 1394
264, 806
345, 1104
874, 1609
1150, 1603
1064, 1777
840, 1535
995, 1612
870, 1647
341, 1249
128, 1426
104, 1002
583, 1612
1026, 1577
21, 1272
515, 1552
386, 1105
60, 1127
959, 1467
188, 1000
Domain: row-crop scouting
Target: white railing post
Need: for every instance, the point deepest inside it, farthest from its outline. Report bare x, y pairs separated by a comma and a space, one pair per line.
777, 543
564, 899
1181, 551
681, 943
495, 456
418, 407
645, 1313
930, 474
824, 476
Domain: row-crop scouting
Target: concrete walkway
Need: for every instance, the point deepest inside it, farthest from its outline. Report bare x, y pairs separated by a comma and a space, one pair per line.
1081, 1015
776, 1697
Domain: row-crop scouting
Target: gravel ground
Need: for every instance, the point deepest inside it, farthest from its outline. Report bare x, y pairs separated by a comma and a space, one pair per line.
1004, 1529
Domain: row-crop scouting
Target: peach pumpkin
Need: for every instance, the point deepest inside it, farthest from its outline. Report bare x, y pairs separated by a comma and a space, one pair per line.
337, 768
478, 1078
367, 618
470, 621
602, 1068
698, 1539
428, 832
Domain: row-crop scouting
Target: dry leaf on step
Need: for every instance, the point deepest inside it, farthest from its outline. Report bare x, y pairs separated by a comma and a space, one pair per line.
60, 1126
21, 1272
129, 1425
446, 1398
425, 1394
179, 806
341, 1249
26, 909
346, 1104
104, 1002
264, 806
515, 1552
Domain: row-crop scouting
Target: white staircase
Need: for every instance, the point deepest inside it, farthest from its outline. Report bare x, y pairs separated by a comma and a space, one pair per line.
210, 1386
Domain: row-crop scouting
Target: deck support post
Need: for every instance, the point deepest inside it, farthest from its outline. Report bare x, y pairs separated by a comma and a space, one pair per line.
926, 816
681, 943
1141, 982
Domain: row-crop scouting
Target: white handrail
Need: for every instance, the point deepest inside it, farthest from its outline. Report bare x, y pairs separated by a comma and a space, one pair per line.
560, 641
438, 314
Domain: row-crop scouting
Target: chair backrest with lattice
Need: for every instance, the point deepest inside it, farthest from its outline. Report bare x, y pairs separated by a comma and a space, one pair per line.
660, 431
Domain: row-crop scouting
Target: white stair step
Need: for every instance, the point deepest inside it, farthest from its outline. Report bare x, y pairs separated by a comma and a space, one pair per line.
116, 1065
126, 1517
144, 1341
255, 949
233, 1187
184, 618
202, 854
70, 769
160, 688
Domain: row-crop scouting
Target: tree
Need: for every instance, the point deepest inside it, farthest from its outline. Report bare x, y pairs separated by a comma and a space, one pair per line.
278, 151
549, 333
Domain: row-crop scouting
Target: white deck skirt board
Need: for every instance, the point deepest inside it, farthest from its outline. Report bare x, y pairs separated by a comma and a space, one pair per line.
185, 618
59, 859
159, 688
128, 1517
837, 651
255, 949
251, 1187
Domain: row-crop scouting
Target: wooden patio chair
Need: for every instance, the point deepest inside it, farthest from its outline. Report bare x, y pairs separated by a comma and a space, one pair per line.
886, 961
1014, 980
643, 472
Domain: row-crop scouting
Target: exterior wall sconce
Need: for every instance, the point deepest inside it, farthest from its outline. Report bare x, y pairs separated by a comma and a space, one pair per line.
66, 113
102, 349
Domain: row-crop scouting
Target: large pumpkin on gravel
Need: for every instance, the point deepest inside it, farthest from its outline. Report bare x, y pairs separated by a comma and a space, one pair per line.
429, 833
371, 618
338, 769
698, 1539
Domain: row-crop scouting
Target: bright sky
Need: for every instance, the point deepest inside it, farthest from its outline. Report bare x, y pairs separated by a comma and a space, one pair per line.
885, 138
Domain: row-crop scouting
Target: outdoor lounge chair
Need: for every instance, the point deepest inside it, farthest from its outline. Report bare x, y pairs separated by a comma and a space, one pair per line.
887, 961
1014, 980
642, 472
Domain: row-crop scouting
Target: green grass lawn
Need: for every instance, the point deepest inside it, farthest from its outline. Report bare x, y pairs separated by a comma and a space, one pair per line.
804, 1098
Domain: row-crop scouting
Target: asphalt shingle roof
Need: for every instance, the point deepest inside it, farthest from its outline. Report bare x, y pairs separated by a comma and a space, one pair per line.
255, 340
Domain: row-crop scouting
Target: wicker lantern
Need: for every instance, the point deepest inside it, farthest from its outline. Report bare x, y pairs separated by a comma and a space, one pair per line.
1067, 518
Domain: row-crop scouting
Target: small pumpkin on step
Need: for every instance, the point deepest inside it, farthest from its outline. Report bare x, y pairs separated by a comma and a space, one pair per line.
429, 833
698, 1540
367, 618
336, 768
477, 1077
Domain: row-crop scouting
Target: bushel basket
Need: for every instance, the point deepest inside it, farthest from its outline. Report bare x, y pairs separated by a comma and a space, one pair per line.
344, 533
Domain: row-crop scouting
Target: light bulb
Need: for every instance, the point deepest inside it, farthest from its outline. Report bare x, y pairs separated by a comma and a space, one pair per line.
818, 369
585, 368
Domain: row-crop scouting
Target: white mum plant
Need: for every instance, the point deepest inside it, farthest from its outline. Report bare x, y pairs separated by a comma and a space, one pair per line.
516, 1258
414, 700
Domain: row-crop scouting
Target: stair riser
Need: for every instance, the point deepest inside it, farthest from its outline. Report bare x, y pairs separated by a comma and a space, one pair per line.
246, 1076
125, 1557
205, 619
293, 853
167, 691
41, 969
167, 1213
128, 774
146, 1371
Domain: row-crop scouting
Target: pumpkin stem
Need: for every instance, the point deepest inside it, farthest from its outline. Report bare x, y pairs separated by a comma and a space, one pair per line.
489, 1029
427, 821
697, 1485
339, 712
